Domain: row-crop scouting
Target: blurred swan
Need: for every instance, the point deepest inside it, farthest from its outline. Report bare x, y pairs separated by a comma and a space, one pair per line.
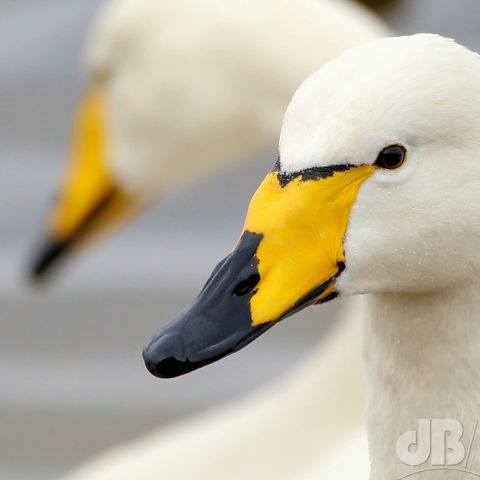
178, 91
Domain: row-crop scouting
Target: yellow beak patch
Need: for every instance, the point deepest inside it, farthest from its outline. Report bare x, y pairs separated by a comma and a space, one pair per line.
303, 222
88, 183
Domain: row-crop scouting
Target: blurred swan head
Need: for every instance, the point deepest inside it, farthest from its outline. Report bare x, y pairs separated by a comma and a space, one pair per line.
178, 91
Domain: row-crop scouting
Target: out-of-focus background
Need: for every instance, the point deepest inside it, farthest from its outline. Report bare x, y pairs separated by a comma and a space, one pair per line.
71, 373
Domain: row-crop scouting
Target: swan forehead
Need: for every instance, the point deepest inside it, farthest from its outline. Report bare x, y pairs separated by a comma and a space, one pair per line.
416, 90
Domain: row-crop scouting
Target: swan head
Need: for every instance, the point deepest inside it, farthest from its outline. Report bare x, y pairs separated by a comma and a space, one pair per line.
375, 191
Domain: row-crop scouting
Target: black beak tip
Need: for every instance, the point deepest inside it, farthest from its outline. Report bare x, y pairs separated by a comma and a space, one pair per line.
165, 365
162, 355
46, 259
169, 367
166, 355
217, 324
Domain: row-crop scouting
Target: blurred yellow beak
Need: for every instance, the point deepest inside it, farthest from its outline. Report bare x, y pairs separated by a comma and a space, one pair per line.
90, 201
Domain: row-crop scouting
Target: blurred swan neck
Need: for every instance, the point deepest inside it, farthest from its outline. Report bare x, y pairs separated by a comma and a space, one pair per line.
422, 354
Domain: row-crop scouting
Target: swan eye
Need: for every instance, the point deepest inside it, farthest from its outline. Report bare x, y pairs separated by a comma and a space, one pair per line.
391, 157
246, 286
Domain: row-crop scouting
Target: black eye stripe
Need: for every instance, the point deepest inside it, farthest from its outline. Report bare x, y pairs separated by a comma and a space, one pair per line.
313, 173
389, 158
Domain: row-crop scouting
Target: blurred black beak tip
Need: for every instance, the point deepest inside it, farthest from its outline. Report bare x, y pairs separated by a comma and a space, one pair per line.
47, 257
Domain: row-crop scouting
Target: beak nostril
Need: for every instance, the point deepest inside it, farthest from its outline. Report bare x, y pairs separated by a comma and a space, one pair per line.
246, 286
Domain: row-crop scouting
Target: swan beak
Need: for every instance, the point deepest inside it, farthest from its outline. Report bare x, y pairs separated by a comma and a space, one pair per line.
90, 201
288, 257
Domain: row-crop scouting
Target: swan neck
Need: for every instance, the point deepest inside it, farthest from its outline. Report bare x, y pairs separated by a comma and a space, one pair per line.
422, 354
